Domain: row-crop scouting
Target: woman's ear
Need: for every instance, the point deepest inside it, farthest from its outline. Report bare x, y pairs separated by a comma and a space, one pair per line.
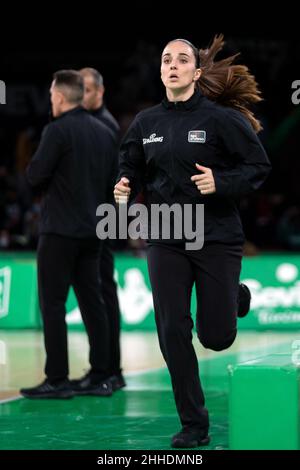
197, 74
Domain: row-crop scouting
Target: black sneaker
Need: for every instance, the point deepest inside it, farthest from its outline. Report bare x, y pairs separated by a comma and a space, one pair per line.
189, 438
48, 390
244, 300
117, 382
87, 386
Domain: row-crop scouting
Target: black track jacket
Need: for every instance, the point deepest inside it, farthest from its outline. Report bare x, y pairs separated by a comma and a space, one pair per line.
76, 163
163, 144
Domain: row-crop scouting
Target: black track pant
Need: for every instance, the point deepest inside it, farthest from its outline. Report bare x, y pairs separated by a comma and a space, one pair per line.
62, 262
215, 270
110, 297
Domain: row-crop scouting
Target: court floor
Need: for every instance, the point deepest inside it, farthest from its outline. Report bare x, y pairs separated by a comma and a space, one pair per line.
141, 416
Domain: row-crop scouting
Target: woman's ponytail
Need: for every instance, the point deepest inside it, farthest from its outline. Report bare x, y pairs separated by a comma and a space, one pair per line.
227, 84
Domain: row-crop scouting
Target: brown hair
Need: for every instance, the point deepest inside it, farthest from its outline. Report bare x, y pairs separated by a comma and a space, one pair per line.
227, 84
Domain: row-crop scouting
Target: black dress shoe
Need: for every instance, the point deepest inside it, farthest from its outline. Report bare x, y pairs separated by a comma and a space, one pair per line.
189, 438
117, 382
49, 390
244, 300
89, 386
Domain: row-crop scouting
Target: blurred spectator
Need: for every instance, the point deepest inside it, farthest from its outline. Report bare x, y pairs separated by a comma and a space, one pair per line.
289, 228
31, 223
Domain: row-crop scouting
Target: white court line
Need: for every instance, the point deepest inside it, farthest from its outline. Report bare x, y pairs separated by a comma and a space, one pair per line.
7, 400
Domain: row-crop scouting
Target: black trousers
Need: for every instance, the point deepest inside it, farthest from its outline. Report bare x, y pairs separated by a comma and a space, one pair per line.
110, 297
62, 262
215, 270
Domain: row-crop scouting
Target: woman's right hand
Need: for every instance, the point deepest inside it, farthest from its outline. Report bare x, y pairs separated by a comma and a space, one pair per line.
122, 191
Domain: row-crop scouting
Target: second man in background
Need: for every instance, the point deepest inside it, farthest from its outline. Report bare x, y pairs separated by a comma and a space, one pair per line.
93, 102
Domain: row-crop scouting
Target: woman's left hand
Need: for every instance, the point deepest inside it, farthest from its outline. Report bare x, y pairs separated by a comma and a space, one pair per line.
205, 181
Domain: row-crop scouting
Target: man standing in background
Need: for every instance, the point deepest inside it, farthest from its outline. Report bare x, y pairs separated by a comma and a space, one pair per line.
93, 102
74, 165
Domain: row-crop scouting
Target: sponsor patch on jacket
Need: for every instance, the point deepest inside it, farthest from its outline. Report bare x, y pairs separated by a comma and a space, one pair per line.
197, 137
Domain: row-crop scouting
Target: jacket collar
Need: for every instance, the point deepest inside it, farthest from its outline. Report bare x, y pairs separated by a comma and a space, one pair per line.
76, 110
183, 105
98, 112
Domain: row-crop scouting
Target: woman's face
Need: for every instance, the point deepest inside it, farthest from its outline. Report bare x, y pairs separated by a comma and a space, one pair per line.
178, 66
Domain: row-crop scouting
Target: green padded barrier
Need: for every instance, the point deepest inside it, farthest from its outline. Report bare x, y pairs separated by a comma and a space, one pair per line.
274, 281
264, 404
18, 292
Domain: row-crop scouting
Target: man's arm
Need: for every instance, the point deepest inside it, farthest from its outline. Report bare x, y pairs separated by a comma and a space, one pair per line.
44, 161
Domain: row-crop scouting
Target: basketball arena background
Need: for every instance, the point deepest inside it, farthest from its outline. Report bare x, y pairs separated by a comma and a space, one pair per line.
253, 388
